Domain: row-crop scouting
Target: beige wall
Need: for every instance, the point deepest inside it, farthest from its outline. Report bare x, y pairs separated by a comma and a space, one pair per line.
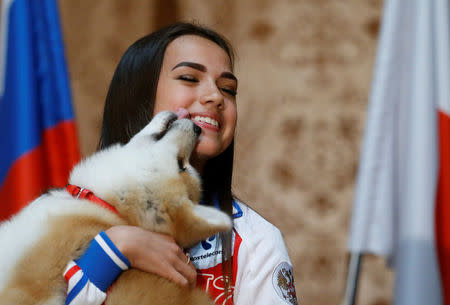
304, 70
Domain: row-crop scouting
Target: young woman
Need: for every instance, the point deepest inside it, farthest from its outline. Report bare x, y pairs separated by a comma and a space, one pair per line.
189, 67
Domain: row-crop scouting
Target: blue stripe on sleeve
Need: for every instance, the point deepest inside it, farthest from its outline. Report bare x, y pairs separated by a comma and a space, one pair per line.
78, 287
114, 248
96, 264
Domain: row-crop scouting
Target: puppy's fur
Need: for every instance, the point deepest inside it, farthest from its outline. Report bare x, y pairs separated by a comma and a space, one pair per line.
152, 185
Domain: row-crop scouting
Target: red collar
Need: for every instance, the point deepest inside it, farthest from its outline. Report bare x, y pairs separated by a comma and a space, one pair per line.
81, 192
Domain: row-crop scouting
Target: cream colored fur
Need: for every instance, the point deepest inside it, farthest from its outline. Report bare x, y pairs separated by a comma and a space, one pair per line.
151, 184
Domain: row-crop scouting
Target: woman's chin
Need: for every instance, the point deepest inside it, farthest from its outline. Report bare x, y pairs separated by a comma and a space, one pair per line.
206, 150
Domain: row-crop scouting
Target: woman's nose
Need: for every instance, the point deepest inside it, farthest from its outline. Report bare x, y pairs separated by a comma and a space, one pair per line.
213, 97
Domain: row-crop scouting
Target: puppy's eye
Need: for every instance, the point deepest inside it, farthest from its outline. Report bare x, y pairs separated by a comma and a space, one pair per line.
167, 124
181, 167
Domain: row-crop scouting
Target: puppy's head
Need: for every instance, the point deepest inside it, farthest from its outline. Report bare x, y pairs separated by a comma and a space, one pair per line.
161, 173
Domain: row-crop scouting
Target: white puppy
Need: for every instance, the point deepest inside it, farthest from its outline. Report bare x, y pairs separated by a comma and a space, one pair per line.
151, 184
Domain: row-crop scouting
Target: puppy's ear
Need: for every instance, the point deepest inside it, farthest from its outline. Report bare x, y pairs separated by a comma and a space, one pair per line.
194, 223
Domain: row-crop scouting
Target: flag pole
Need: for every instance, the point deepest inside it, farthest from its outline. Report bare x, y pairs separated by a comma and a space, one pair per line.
352, 278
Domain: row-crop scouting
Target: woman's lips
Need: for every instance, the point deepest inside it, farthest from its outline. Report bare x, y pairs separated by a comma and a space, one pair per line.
206, 126
207, 120
183, 113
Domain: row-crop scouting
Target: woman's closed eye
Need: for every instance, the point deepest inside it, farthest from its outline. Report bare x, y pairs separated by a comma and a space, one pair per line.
229, 91
188, 78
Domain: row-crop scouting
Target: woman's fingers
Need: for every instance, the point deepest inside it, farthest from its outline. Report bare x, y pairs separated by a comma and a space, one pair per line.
181, 264
174, 276
184, 275
187, 269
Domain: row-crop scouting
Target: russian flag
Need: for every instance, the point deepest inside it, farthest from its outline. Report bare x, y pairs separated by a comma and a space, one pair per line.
38, 141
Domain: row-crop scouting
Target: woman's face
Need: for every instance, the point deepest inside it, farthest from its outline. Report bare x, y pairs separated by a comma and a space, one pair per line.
196, 75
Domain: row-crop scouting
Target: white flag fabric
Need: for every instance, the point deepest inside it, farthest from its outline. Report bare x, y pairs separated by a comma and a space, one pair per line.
397, 183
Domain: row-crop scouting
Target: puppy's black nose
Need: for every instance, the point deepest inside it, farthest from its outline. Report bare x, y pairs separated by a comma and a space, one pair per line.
197, 130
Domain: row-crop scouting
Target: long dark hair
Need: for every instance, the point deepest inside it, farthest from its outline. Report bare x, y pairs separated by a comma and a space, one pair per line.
130, 103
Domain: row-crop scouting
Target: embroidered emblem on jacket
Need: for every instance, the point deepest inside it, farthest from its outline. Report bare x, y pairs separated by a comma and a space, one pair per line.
283, 283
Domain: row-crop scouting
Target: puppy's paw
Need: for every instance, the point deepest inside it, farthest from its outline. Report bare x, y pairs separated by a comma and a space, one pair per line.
194, 223
213, 217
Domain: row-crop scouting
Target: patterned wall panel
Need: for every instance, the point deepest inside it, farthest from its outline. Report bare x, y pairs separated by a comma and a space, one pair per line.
96, 34
304, 70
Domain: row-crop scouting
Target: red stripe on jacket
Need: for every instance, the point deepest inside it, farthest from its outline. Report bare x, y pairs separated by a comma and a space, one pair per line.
211, 279
442, 209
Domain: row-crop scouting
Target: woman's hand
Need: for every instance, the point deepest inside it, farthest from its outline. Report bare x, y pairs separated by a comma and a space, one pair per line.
154, 253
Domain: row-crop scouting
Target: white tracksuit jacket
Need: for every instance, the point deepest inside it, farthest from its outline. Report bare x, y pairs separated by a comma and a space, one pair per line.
262, 271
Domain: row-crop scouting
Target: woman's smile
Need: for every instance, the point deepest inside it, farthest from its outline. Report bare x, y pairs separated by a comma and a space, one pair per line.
208, 120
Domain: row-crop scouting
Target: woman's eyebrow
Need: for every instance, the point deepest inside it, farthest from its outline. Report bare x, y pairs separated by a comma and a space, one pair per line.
202, 68
193, 65
229, 75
